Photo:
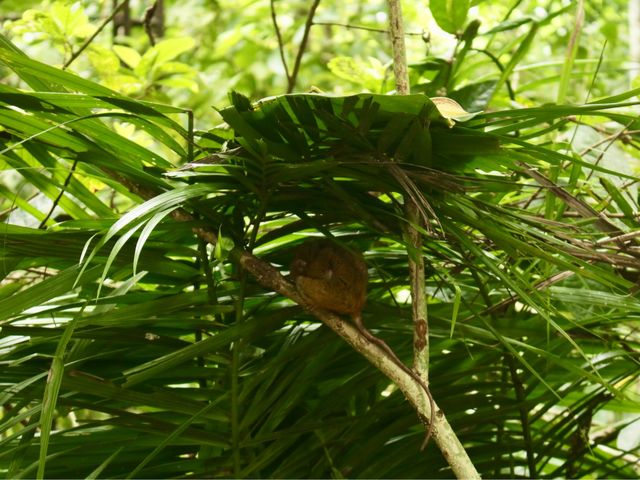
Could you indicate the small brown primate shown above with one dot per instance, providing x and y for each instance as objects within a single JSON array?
[
  {"x": 334, "y": 278},
  {"x": 330, "y": 276}
]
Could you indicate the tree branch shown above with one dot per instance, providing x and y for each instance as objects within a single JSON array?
[
  {"x": 303, "y": 45},
  {"x": 149, "y": 13},
  {"x": 65, "y": 185},
  {"x": 274, "y": 19},
  {"x": 445, "y": 437},
  {"x": 396, "y": 32},
  {"x": 269, "y": 277},
  {"x": 362, "y": 27},
  {"x": 82, "y": 48},
  {"x": 416, "y": 260}
]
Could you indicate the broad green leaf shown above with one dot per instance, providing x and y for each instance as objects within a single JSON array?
[
  {"x": 368, "y": 74},
  {"x": 162, "y": 52},
  {"x": 449, "y": 14},
  {"x": 64, "y": 81},
  {"x": 69, "y": 21},
  {"x": 128, "y": 55},
  {"x": 104, "y": 60},
  {"x": 169, "y": 49}
]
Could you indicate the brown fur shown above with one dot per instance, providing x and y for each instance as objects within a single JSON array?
[{"x": 334, "y": 278}]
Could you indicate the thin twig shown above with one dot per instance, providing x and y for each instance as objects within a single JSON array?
[
  {"x": 574, "y": 214},
  {"x": 619, "y": 239},
  {"x": 585, "y": 210},
  {"x": 95, "y": 34},
  {"x": 67, "y": 180},
  {"x": 303, "y": 45},
  {"x": 609, "y": 142},
  {"x": 280, "y": 42},
  {"x": 148, "y": 17},
  {"x": 368, "y": 29},
  {"x": 523, "y": 409},
  {"x": 15, "y": 207},
  {"x": 540, "y": 286}
]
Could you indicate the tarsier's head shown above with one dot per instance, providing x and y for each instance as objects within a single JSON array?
[{"x": 330, "y": 276}]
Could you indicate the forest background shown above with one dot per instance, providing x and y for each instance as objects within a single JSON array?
[{"x": 142, "y": 332}]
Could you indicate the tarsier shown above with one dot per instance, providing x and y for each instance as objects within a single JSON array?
[{"x": 333, "y": 278}]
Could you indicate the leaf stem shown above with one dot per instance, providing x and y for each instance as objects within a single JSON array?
[{"x": 82, "y": 48}]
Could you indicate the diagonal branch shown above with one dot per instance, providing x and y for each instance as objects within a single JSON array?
[
  {"x": 303, "y": 45},
  {"x": 65, "y": 185},
  {"x": 82, "y": 48},
  {"x": 269, "y": 277},
  {"x": 602, "y": 223},
  {"x": 293, "y": 75},
  {"x": 274, "y": 19}
]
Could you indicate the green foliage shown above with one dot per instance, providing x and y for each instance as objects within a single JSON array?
[
  {"x": 157, "y": 66},
  {"x": 62, "y": 25},
  {"x": 369, "y": 75},
  {"x": 449, "y": 14},
  {"x": 131, "y": 348}
]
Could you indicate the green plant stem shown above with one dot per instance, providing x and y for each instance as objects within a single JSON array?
[
  {"x": 348, "y": 26},
  {"x": 82, "y": 48},
  {"x": 411, "y": 211},
  {"x": 303, "y": 45},
  {"x": 235, "y": 390},
  {"x": 65, "y": 185},
  {"x": 447, "y": 441},
  {"x": 572, "y": 48},
  {"x": 521, "y": 397}
]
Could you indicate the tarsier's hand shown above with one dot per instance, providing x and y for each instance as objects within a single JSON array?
[{"x": 330, "y": 276}]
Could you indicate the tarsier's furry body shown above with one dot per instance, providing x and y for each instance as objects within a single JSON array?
[{"x": 332, "y": 277}]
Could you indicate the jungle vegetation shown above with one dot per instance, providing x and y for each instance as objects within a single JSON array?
[{"x": 161, "y": 161}]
